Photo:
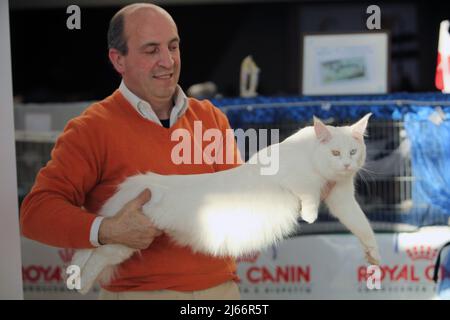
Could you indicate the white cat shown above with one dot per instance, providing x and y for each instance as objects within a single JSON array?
[{"x": 240, "y": 211}]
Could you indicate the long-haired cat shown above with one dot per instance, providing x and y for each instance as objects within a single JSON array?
[{"x": 239, "y": 211}]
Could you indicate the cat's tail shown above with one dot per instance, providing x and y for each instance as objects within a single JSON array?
[{"x": 98, "y": 263}]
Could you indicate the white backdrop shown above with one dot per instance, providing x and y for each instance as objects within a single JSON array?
[
  {"x": 332, "y": 267},
  {"x": 10, "y": 265}
]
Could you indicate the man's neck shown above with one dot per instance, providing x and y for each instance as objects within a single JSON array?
[{"x": 162, "y": 108}]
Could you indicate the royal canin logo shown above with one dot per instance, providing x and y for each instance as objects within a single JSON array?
[
  {"x": 409, "y": 272},
  {"x": 42, "y": 274},
  {"x": 422, "y": 253},
  {"x": 48, "y": 274},
  {"x": 257, "y": 274},
  {"x": 278, "y": 274}
]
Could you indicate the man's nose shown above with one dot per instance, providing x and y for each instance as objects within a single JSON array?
[{"x": 166, "y": 59}]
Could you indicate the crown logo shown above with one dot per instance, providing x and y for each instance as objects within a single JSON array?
[
  {"x": 422, "y": 253},
  {"x": 66, "y": 254},
  {"x": 249, "y": 258}
]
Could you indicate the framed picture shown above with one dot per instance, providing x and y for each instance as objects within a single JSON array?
[{"x": 345, "y": 63}]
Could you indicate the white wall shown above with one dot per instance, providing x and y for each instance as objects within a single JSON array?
[{"x": 10, "y": 258}]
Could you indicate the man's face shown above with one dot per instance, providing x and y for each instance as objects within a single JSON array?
[{"x": 151, "y": 68}]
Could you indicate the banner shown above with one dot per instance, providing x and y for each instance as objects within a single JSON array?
[
  {"x": 333, "y": 267},
  {"x": 304, "y": 267}
]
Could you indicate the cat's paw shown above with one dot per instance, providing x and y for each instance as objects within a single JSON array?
[
  {"x": 373, "y": 256},
  {"x": 309, "y": 216}
]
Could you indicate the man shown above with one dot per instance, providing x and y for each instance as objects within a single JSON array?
[{"x": 125, "y": 134}]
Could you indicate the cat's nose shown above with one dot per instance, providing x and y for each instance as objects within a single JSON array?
[{"x": 347, "y": 166}]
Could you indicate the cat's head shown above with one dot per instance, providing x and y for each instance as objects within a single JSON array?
[{"x": 340, "y": 151}]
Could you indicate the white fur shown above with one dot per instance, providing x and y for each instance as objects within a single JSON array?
[{"x": 239, "y": 211}]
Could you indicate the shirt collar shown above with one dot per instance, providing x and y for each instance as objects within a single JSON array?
[{"x": 145, "y": 109}]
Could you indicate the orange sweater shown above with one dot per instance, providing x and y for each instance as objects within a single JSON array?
[{"x": 97, "y": 151}]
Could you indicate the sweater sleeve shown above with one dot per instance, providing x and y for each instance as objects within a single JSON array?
[{"x": 52, "y": 212}]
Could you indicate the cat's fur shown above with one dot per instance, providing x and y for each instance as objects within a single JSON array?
[{"x": 239, "y": 211}]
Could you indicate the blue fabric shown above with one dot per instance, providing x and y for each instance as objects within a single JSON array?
[
  {"x": 430, "y": 156},
  {"x": 430, "y": 142}
]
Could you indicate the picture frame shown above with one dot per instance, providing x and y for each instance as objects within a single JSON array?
[{"x": 354, "y": 63}]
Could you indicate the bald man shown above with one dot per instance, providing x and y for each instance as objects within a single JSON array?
[{"x": 125, "y": 134}]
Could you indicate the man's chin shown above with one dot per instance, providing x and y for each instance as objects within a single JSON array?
[{"x": 165, "y": 91}]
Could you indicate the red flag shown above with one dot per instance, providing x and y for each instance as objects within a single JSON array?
[{"x": 442, "y": 79}]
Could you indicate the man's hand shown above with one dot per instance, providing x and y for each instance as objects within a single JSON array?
[{"x": 129, "y": 226}]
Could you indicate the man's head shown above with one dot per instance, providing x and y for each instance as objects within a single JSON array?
[{"x": 143, "y": 46}]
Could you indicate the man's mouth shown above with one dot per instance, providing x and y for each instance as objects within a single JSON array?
[{"x": 163, "y": 76}]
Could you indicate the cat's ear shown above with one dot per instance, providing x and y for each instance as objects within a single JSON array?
[
  {"x": 322, "y": 133},
  {"x": 359, "y": 128}
]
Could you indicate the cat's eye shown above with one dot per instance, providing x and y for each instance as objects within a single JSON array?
[
  {"x": 352, "y": 152},
  {"x": 336, "y": 153}
]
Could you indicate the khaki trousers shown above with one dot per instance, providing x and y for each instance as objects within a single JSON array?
[{"x": 225, "y": 291}]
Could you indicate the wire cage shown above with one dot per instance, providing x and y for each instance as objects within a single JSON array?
[{"x": 384, "y": 186}]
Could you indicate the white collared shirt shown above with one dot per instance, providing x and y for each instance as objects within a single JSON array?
[{"x": 145, "y": 110}]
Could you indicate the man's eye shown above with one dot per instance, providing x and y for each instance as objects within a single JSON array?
[
  {"x": 336, "y": 153},
  {"x": 353, "y": 152},
  {"x": 173, "y": 48},
  {"x": 151, "y": 50}
]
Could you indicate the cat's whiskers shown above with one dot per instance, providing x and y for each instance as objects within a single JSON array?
[{"x": 365, "y": 174}]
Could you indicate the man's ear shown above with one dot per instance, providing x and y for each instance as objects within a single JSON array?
[
  {"x": 359, "y": 128},
  {"x": 322, "y": 133},
  {"x": 117, "y": 60}
]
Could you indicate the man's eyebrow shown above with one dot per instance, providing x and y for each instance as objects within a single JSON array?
[{"x": 155, "y": 44}]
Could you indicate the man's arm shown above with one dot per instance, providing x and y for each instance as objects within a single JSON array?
[{"x": 52, "y": 212}]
